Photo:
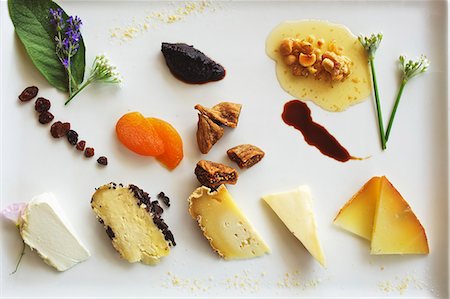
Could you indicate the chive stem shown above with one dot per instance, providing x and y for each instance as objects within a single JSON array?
[
  {"x": 377, "y": 101},
  {"x": 394, "y": 110},
  {"x": 20, "y": 258}
]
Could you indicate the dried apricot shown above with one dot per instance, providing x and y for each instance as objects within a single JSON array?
[
  {"x": 173, "y": 144},
  {"x": 138, "y": 135}
]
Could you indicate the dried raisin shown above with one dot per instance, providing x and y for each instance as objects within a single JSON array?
[
  {"x": 89, "y": 152},
  {"x": 59, "y": 129},
  {"x": 28, "y": 93},
  {"x": 72, "y": 137},
  {"x": 45, "y": 117},
  {"x": 80, "y": 145},
  {"x": 42, "y": 105},
  {"x": 102, "y": 160}
]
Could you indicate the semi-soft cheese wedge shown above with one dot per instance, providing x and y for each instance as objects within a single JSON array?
[
  {"x": 45, "y": 229},
  {"x": 396, "y": 229},
  {"x": 294, "y": 208},
  {"x": 379, "y": 213},
  {"x": 132, "y": 222},
  {"x": 224, "y": 225},
  {"x": 357, "y": 214}
]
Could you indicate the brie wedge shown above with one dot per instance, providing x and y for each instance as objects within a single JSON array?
[{"x": 45, "y": 229}]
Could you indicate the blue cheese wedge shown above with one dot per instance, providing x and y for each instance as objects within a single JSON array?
[
  {"x": 45, "y": 229},
  {"x": 294, "y": 208},
  {"x": 228, "y": 231},
  {"x": 133, "y": 223}
]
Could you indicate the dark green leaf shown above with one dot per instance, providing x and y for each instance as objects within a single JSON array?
[{"x": 32, "y": 24}]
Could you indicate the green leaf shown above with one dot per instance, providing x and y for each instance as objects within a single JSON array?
[{"x": 32, "y": 24}]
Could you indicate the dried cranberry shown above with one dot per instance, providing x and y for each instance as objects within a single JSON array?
[
  {"x": 45, "y": 117},
  {"x": 28, "y": 93},
  {"x": 89, "y": 152},
  {"x": 80, "y": 145},
  {"x": 42, "y": 105},
  {"x": 102, "y": 160},
  {"x": 59, "y": 129},
  {"x": 72, "y": 137}
]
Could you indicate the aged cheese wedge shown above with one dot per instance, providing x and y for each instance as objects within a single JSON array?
[
  {"x": 357, "y": 214},
  {"x": 379, "y": 213},
  {"x": 294, "y": 208},
  {"x": 132, "y": 222},
  {"x": 228, "y": 231},
  {"x": 396, "y": 229},
  {"x": 45, "y": 229}
]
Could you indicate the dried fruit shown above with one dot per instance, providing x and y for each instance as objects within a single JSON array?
[
  {"x": 173, "y": 144},
  {"x": 224, "y": 113},
  {"x": 102, "y": 160},
  {"x": 28, "y": 93},
  {"x": 42, "y": 105},
  {"x": 45, "y": 117},
  {"x": 72, "y": 137},
  {"x": 190, "y": 65},
  {"x": 212, "y": 175},
  {"x": 89, "y": 152},
  {"x": 138, "y": 135},
  {"x": 80, "y": 145},
  {"x": 245, "y": 155},
  {"x": 208, "y": 133},
  {"x": 59, "y": 129},
  {"x": 165, "y": 199}
]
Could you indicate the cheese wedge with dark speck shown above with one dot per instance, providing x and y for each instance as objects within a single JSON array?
[{"x": 228, "y": 231}]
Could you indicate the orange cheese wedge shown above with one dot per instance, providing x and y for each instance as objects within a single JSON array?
[{"x": 379, "y": 213}]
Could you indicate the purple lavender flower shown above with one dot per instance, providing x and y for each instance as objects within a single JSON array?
[
  {"x": 67, "y": 37},
  {"x": 56, "y": 18}
]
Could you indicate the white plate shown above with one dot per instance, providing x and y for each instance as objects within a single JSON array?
[{"x": 234, "y": 34}]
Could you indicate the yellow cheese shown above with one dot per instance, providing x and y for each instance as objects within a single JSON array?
[
  {"x": 129, "y": 224},
  {"x": 294, "y": 208},
  {"x": 228, "y": 231},
  {"x": 396, "y": 229},
  {"x": 357, "y": 214},
  {"x": 379, "y": 213}
]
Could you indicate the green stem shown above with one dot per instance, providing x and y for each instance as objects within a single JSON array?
[
  {"x": 20, "y": 259},
  {"x": 394, "y": 110},
  {"x": 377, "y": 100},
  {"x": 85, "y": 84}
]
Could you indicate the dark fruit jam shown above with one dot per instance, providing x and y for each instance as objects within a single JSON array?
[
  {"x": 190, "y": 65},
  {"x": 298, "y": 115}
]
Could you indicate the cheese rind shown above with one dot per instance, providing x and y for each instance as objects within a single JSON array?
[
  {"x": 358, "y": 213},
  {"x": 396, "y": 229},
  {"x": 129, "y": 224},
  {"x": 228, "y": 231},
  {"x": 45, "y": 229},
  {"x": 294, "y": 208}
]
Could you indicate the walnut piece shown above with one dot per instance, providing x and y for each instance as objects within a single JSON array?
[
  {"x": 208, "y": 133},
  {"x": 225, "y": 113},
  {"x": 245, "y": 155},
  {"x": 212, "y": 175}
]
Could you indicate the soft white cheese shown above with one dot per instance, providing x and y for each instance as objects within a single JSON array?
[
  {"x": 295, "y": 210},
  {"x": 45, "y": 229}
]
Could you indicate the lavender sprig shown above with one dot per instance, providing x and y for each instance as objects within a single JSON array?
[
  {"x": 409, "y": 70},
  {"x": 371, "y": 44},
  {"x": 102, "y": 71},
  {"x": 67, "y": 40}
]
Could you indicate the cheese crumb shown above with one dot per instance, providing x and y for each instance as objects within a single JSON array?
[{"x": 135, "y": 28}]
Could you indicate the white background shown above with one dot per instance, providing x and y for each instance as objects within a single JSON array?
[{"x": 233, "y": 33}]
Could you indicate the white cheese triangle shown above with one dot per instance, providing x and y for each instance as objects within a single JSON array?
[
  {"x": 45, "y": 229},
  {"x": 294, "y": 208}
]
